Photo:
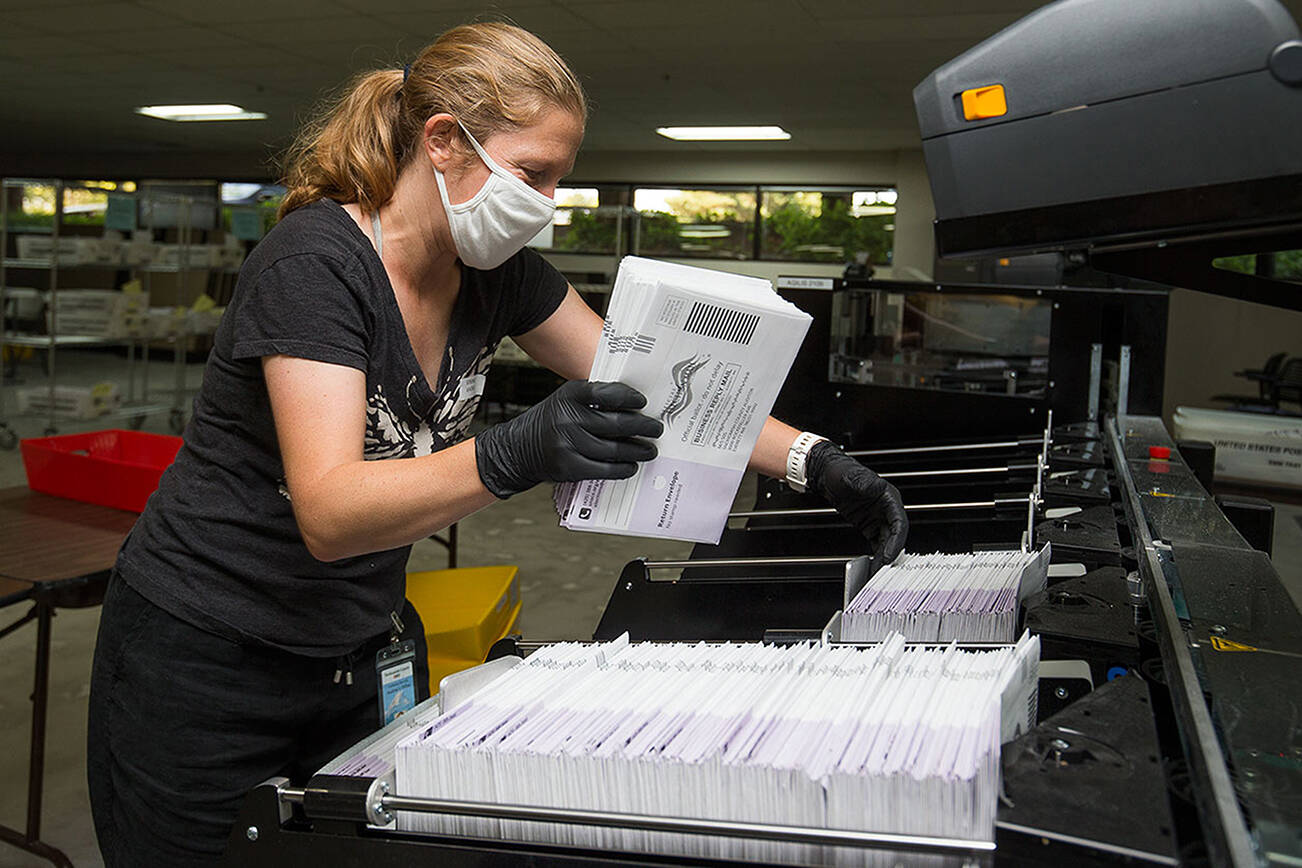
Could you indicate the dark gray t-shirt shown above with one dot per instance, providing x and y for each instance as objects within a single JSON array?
[{"x": 217, "y": 544}]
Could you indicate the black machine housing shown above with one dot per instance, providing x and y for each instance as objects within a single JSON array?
[{"x": 1155, "y": 134}]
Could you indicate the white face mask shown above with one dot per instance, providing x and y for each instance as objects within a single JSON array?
[{"x": 499, "y": 220}]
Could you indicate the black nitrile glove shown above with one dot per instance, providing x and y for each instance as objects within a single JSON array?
[
  {"x": 869, "y": 502},
  {"x": 582, "y": 430}
]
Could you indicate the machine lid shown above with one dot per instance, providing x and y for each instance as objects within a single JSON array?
[{"x": 1075, "y": 53}]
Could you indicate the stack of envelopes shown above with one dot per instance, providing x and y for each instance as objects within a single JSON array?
[
  {"x": 890, "y": 738},
  {"x": 710, "y": 350},
  {"x": 944, "y": 597}
]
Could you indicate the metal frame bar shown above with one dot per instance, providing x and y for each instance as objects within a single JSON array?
[
  {"x": 1224, "y": 828},
  {"x": 9, "y": 628},
  {"x": 955, "y": 471},
  {"x": 749, "y": 562},
  {"x": 1096, "y": 381},
  {"x": 909, "y": 507},
  {"x": 30, "y": 840},
  {"x": 954, "y": 447},
  {"x": 1123, "y": 381},
  {"x": 684, "y": 825}
]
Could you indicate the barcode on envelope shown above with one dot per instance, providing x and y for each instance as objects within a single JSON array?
[
  {"x": 638, "y": 343},
  {"x": 724, "y": 323}
]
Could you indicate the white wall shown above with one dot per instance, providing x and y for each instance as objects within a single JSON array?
[{"x": 1210, "y": 337}]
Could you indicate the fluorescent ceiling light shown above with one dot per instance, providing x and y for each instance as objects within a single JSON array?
[
  {"x": 724, "y": 134},
  {"x": 214, "y": 112}
]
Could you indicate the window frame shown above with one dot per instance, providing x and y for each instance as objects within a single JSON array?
[{"x": 755, "y": 253}]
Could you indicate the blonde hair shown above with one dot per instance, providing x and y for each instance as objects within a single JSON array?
[{"x": 491, "y": 76}]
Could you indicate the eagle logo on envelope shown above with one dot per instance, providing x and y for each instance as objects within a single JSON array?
[{"x": 681, "y": 397}]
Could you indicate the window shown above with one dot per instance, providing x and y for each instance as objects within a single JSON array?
[
  {"x": 84, "y": 203},
  {"x": 1280, "y": 265},
  {"x": 705, "y": 222},
  {"x": 581, "y": 224},
  {"x": 828, "y": 225},
  {"x": 969, "y": 342},
  {"x": 249, "y": 209},
  {"x": 589, "y": 220}
]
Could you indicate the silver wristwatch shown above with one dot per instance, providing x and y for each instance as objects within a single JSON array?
[{"x": 797, "y": 457}]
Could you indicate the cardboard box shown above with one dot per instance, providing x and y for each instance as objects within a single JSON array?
[
  {"x": 97, "y": 312},
  {"x": 71, "y": 402},
  {"x": 1258, "y": 448}
]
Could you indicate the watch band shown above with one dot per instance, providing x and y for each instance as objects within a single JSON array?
[{"x": 797, "y": 458}]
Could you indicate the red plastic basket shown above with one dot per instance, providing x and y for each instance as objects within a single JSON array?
[{"x": 111, "y": 468}]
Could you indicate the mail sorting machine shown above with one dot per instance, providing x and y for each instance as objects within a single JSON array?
[
  {"x": 1127, "y": 763},
  {"x": 1147, "y": 138}
]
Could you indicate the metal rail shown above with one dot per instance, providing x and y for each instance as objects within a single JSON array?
[
  {"x": 684, "y": 825},
  {"x": 750, "y": 562},
  {"x": 954, "y": 447},
  {"x": 1228, "y": 839},
  {"x": 957, "y": 471},
  {"x": 998, "y": 503}
]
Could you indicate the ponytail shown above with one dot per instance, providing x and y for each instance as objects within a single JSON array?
[
  {"x": 351, "y": 153},
  {"x": 491, "y": 76}
]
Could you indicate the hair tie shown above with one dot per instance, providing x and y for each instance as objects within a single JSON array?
[{"x": 406, "y": 71}]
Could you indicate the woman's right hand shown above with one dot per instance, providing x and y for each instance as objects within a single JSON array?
[{"x": 583, "y": 430}]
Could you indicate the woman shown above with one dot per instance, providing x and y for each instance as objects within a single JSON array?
[{"x": 240, "y": 629}]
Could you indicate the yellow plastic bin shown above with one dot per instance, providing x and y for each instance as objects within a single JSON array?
[{"x": 464, "y": 611}]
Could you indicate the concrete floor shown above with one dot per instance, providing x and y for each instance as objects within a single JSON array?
[{"x": 565, "y": 579}]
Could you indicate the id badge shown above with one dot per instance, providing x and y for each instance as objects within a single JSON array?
[{"x": 395, "y": 674}]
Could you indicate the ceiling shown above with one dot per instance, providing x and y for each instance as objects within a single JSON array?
[{"x": 836, "y": 73}]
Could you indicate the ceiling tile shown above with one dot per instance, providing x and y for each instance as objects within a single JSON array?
[
  {"x": 244, "y": 12},
  {"x": 910, "y": 29},
  {"x": 833, "y": 10},
  {"x": 290, "y": 32},
  {"x": 463, "y": 9},
  {"x": 723, "y": 17},
  {"x": 542, "y": 20},
  {"x": 178, "y": 38},
  {"x": 36, "y": 49},
  {"x": 89, "y": 17}
]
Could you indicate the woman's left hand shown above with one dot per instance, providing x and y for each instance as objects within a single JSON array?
[{"x": 869, "y": 502}]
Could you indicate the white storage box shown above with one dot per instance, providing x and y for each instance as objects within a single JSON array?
[
  {"x": 98, "y": 312},
  {"x": 1250, "y": 447},
  {"x": 71, "y": 402},
  {"x": 137, "y": 252},
  {"x": 192, "y": 256},
  {"x": 163, "y": 322},
  {"x": 42, "y": 246},
  {"x": 98, "y": 251},
  {"x": 203, "y": 322},
  {"x": 23, "y": 303}
]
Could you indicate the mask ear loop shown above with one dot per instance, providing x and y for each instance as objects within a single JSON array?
[{"x": 496, "y": 169}]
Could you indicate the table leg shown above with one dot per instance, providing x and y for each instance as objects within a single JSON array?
[
  {"x": 40, "y": 705},
  {"x": 31, "y": 842}
]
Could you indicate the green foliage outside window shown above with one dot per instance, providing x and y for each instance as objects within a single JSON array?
[
  {"x": 1287, "y": 264},
  {"x": 82, "y": 206},
  {"x": 824, "y": 228},
  {"x": 587, "y": 232},
  {"x": 830, "y": 225},
  {"x": 266, "y": 209}
]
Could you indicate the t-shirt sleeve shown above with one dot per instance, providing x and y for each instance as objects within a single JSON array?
[
  {"x": 306, "y": 306},
  {"x": 538, "y": 290}
]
